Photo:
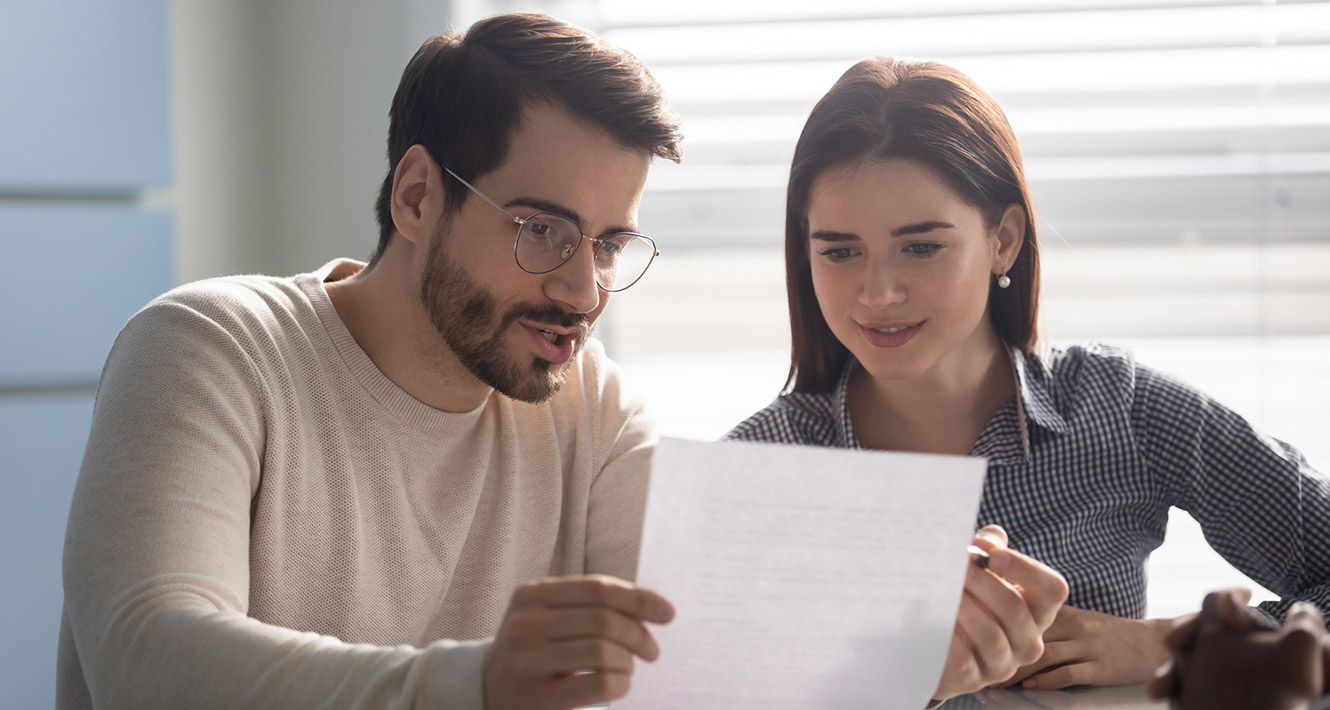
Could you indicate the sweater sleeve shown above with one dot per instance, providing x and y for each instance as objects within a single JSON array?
[
  {"x": 156, "y": 562},
  {"x": 1259, "y": 503},
  {"x": 625, "y": 437}
]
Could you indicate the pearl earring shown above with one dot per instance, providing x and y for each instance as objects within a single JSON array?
[{"x": 1003, "y": 281}]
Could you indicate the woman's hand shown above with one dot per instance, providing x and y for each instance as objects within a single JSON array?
[
  {"x": 1229, "y": 657},
  {"x": 1085, "y": 647},
  {"x": 1004, "y": 612}
]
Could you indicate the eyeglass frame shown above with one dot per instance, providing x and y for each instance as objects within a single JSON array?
[{"x": 595, "y": 241}]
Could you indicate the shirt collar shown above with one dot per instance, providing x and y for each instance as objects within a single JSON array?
[
  {"x": 1034, "y": 404},
  {"x": 1033, "y": 381}
]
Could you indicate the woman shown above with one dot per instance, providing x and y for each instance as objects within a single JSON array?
[{"x": 913, "y": 278}]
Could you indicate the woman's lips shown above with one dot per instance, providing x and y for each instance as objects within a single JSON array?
[{"x": 889, "y": 335}]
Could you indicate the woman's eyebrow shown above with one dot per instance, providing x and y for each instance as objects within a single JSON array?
[
  {"x": 920, "y": 228},
  {"x": 826, "y": 235}
]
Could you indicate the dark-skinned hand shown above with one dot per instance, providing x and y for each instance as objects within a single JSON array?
[{"x": 1230, "y": 657}]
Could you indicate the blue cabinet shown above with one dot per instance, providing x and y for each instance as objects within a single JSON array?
[
  {"x": 80, "y": 273},
  {"x": 42, "y": 437},
  {"x": 84, "y": 131},
  {"x": 84, "y": 86}
]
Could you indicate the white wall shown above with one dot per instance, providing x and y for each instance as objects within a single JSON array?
[{"x": 281, "y": 121}]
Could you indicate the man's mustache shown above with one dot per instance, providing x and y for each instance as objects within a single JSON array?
[{"x": 552, "y": 315}]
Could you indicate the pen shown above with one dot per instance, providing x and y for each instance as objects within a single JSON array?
[{"x": 978, "y": 556}]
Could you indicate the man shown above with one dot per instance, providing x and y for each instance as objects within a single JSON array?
[
  {"x": 1231, "y": 656},
  {"x": 415, "y": 482},
  {"x": 295, "y": 487}
]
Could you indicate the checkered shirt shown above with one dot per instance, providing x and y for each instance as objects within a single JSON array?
[{"x": 1084, "y": 465}]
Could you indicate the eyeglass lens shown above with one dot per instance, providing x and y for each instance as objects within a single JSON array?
[{"x": 546, "y": 241}]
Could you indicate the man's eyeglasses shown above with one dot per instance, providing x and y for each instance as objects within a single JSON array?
[{"x": 547, "y": 241}]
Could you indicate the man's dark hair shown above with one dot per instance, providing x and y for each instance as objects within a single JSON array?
[{"x": 461, "y": 97}]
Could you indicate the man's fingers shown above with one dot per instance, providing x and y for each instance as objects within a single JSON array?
[
  {"x": 597, "y": 590},
  {"x": 571, "y": 641},
  {"x": 1217, "y": 605},
  {"x": 1301, "y": 641},
  {"x": 1306, "y": 616},
  {"x": 1227, "y": 609},
  {"x": 1233, "y": 610},
  {"x": 583, "y": 655},
  {"x": 588, "y": 689},
  {"x": 1161, "y": 685},
  {"x": 1183, "y": 633},
  {"x": 572, "y": 623}
]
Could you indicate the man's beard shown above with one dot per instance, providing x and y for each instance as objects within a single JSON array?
[{"x": 466, "y": 315}]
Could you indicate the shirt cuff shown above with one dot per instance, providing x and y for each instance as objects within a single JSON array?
[{"x": 453, "y": 675}]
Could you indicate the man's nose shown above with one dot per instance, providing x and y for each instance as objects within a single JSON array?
[{"x": 573, "y": 285}]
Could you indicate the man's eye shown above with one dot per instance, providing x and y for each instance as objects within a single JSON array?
[{"x": 538, "y": 228}]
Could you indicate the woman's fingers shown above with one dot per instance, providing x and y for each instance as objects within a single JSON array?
[
  {"x": 1043, "y": 589},
  {"x": 1005, "y": 607}
]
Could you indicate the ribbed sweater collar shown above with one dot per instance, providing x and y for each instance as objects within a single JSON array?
[{"x": 382, "y": 389}]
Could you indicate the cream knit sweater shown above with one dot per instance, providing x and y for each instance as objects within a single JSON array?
[{"x": 263, "y": 519}]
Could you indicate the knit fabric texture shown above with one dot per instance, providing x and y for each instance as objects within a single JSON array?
[{"x": 264, "y": 519}]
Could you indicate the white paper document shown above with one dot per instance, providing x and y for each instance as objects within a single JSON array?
[{"x": 802, "y": 577}]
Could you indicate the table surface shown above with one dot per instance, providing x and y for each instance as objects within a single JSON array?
[{"x": 1126, "y": 697}]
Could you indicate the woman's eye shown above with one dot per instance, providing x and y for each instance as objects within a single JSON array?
[
  {"x": 923, "y": 248},
  {"x": 837, "y": 253}
]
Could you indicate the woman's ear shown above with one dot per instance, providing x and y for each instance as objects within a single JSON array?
[
  {"x": 1008, "y": 238},
  {"x": 416, "y": 194}
]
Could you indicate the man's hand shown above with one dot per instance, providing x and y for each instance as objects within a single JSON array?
[
  {"x": 1085, "y": 647},
  {"x": 1228, "y": 657},
  {"x": 1004, "y": 611},
  {"x": 570, "y": 641}
]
